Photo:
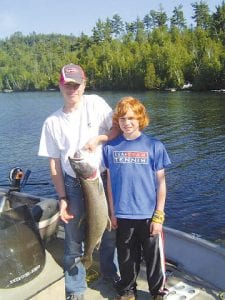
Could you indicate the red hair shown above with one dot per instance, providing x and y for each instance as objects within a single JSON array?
[{"x": 136, "y": 106}]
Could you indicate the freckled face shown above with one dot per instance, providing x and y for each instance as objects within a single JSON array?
[{"x": 129, "y": 125}]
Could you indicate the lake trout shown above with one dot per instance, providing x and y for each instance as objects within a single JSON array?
[{"x": 97, "y": 219}]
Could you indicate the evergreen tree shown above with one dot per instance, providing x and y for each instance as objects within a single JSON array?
[
  {"x": 201, "y": 14},
  {"x": 218, "y": 22},
  {"x": 177, "y": 19}
]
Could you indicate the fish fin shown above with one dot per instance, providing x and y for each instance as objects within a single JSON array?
[
  {"x": 98, "y": 245},
  {"x": 87, "y": 261},
  {"x": 109, "y": 225}
]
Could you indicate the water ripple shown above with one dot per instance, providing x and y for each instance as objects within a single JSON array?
[{"x": 191, "y": 125}]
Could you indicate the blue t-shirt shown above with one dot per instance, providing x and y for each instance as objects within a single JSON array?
[{"x": 133, "y": 165}]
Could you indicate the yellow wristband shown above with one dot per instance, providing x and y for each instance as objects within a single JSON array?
[
  {"x": 158, "y": 217},
  {"x": 159, "y": 212}
]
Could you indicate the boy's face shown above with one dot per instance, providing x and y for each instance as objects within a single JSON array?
[
  {"x": 129, "y": 125},
  {"x": 72, "y": 92}
]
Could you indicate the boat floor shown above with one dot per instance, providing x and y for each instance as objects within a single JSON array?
[{"x": 49, "y": 284}]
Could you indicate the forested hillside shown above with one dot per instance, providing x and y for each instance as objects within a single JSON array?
[{"x": 155, "y": 52}]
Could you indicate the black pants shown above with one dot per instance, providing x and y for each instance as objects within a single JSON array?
[{"x": 133, "y": 239}]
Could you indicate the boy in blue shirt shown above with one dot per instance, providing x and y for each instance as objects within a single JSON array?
[{"x": 135, "y": 165}]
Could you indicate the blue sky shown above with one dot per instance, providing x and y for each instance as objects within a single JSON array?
[{"x": 72, "y": 16}]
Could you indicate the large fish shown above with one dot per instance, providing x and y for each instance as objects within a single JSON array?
[{"x": 97, "y": 219}]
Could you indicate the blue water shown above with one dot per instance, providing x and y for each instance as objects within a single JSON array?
[{"x": 191, "y": 125}]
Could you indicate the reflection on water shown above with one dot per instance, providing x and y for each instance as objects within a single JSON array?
[{"x": 191, "y": 125}]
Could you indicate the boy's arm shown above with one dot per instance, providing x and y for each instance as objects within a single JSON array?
[
  {"x": 158, "y": 217},
  {"x": 58, "y": 181},
  {"x": 110, "y": 202},
  {"x": 112, "y": 134},
  {"x": 103, "y": 138},
  {"x": 161, "y": 190},
  {"x": 57, "y": 176}
]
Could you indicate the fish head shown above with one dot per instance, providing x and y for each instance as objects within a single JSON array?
[{"x": 83, "y": 165}]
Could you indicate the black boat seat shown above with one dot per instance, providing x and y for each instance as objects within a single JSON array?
[{"x": 45, "y": 209}]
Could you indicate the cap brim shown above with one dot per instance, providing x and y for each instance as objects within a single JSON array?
[{"x": 68, "y": 80}]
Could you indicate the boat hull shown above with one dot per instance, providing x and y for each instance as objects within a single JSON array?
[
  {"x": 196, "y": 256},
  {"x": 27, "y": 223},
  {"x": 22, "y": 254}
]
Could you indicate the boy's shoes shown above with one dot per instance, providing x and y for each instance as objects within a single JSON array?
[
  {"x": 158, "y": 297},
  {"x": 162, "y": 295},
  {"x": 129, "y": 295},
  {"x": 112, "y": 281},
  {"x": 125, "y": 297},
  {"x": 75, "y": 297}
]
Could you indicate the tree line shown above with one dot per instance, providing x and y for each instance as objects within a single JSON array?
[{"x": 156, "y": 52}]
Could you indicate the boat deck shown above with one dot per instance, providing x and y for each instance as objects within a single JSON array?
[{"x": 49, "y": 284}]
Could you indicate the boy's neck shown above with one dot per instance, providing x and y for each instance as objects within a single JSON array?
[
  {"x": 132, "y": 136},
  {"x": 70, "y": 107}
]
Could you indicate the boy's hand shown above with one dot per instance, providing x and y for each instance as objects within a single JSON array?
[
  {"x": 92, "y": 144},
  {"x": 63, "y": 212},
  {"x": 155, "y": 228},
  {"x": 113, "y": 222}
]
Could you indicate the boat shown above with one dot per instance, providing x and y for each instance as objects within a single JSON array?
[
  {"x": 187, "y": 86},
  {"x": 196, "y": 256},
  {"x": 43, "y": 211},
  {"x": 27, "y": 223},
  {"x": 195, "y": 267},
  {"x": 171, "y": 89}
]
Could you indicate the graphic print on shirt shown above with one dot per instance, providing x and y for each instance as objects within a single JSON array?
[{"x": 130, "y": 157}]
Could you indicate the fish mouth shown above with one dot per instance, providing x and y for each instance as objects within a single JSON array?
[
  {"x": 79, "y": 155},
  {"x": 78, "y": 159},
  {"x": 83, "y": 167},
  {"x": 91, "y": 176}
]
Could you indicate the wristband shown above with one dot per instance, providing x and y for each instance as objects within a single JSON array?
[
  {"x": 62, "y": 198},
  {"x": 158, "y": 217}
]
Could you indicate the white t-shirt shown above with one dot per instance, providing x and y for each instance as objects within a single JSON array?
[{"x": 64, "y": 134}]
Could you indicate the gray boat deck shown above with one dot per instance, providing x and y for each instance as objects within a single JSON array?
[{"x": 49, "y": 284}]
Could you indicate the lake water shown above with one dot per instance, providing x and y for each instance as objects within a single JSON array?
[{"x": 191, "y": 125}]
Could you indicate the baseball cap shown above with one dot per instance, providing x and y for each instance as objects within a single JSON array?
[{"x": 72, "y": 73}]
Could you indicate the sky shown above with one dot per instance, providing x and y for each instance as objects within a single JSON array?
[{"x": 75, "y": 17}]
